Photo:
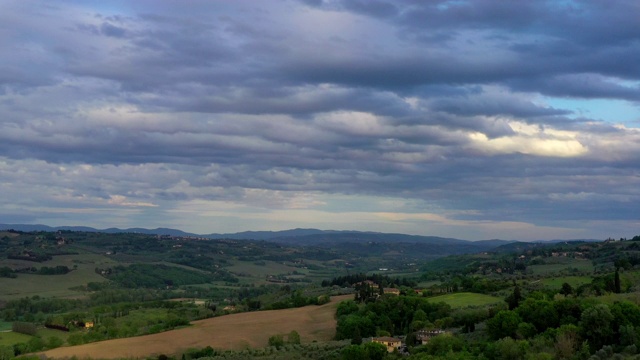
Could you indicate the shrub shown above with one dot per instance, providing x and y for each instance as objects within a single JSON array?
[
  {"x": 24, "y": 328},
  {"x": 293, "y": 337},
  {"x": 277, "y": 341}
]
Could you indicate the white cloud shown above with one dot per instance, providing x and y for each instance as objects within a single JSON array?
[
  {"x": 531, "y": 140},
  {"x": 122, "y": 201}
]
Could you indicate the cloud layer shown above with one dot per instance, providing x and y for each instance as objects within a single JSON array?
[{"x": 476, "y": 119}]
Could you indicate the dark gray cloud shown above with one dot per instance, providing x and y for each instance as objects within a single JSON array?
[
  {"x": 495, "y": 104},
  {"x": 112, "y": 30},
  {"x": 449, "y": 115},
  {"x": 585, "y": 86}
]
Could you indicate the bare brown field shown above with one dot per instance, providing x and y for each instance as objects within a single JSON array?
[{"x": 236, "y": 331}]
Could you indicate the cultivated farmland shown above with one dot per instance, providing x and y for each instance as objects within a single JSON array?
[
  {"x": 237, "y": 331},
  {"x": 459, "y": 300}
]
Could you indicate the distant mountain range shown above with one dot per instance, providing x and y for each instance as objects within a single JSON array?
[
  {"x": 293, "y": 236},
  {"x": 246, "y": 235},
  {"x": 39, "y": 227}
]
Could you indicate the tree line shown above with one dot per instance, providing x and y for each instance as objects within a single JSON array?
[{"x": 379, "y": 279}]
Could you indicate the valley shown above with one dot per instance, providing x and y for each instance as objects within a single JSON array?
[{"x": 131, "y": 295}]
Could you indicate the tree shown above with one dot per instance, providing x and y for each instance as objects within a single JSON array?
[
  {"x": 24, "y": 328},
  {"x": 252, "y": 304},
  {"x": 509, "y": 349},
  {"x": 442, "y": 345},
  {"x": 352, "y": 325},
  {"x": 375, "y": 351},
  {"x": 354, "y": 352},
  {"x": 568, "y": 310},
  {"x": 622, "y": 263},
  {"x": 514, "y": 299},
  {"x": 277, "y": 341},
  {"x": 625, "y": 313},
  {"x": 357, "y": 338},
  {"x": 541, "y": 313},
  {"x": 566, "y": 289},
  {"x": 504, "y": 324},
  {"x": 628, "y": 335},
  {"x": 75, "y": 339},
  {"x": 346, "y": 308},
  {"x": 526, "y": 330},
  {"x": 54, "y": 342},
  {"x": 198, "y": 353},
  {"x": 6, "y": 352},
  {"x": 419, "y": 320},
  {"x": 293, "y": 337},
  {"x": 411, "y": 339},
  {"x": 35, "y": 344},
  {"x": 468, "y": 318},
  {"x": 566, "y": 342},
  {"x": 20, "y": 348},
  {"x": 323, "y": 299},
  {"x": 596, "y": 325}
]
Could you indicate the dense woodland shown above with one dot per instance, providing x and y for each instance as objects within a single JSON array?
[{"x": 574, "y": 300}]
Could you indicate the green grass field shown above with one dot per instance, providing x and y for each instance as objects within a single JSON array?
[
  {"x": 633, "y": 276},
  {"x": 4, "y": 326},
  {"x": 45, "y": 334},
  {"x": 460, "y": 300},
  {"x": 10, "y": 338},
  {"x": 574, "y": 281},
  {"x": 426, "y": 284},
  {"x": 80, "y": 259},
  {"x": 398, "y": 273},
  {"x": 612, "y": 298},
  {"x": 259, "y": 271},
  {"x": 255, "y": 272},
  {"x": 562, "y": 264},
  {"x": 53, "y": 285}
]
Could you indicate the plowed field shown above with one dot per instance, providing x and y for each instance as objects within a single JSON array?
[{"x": 235, "y": 331}]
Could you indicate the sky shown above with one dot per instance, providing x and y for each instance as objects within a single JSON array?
[{"x": 469, "y": 119}]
